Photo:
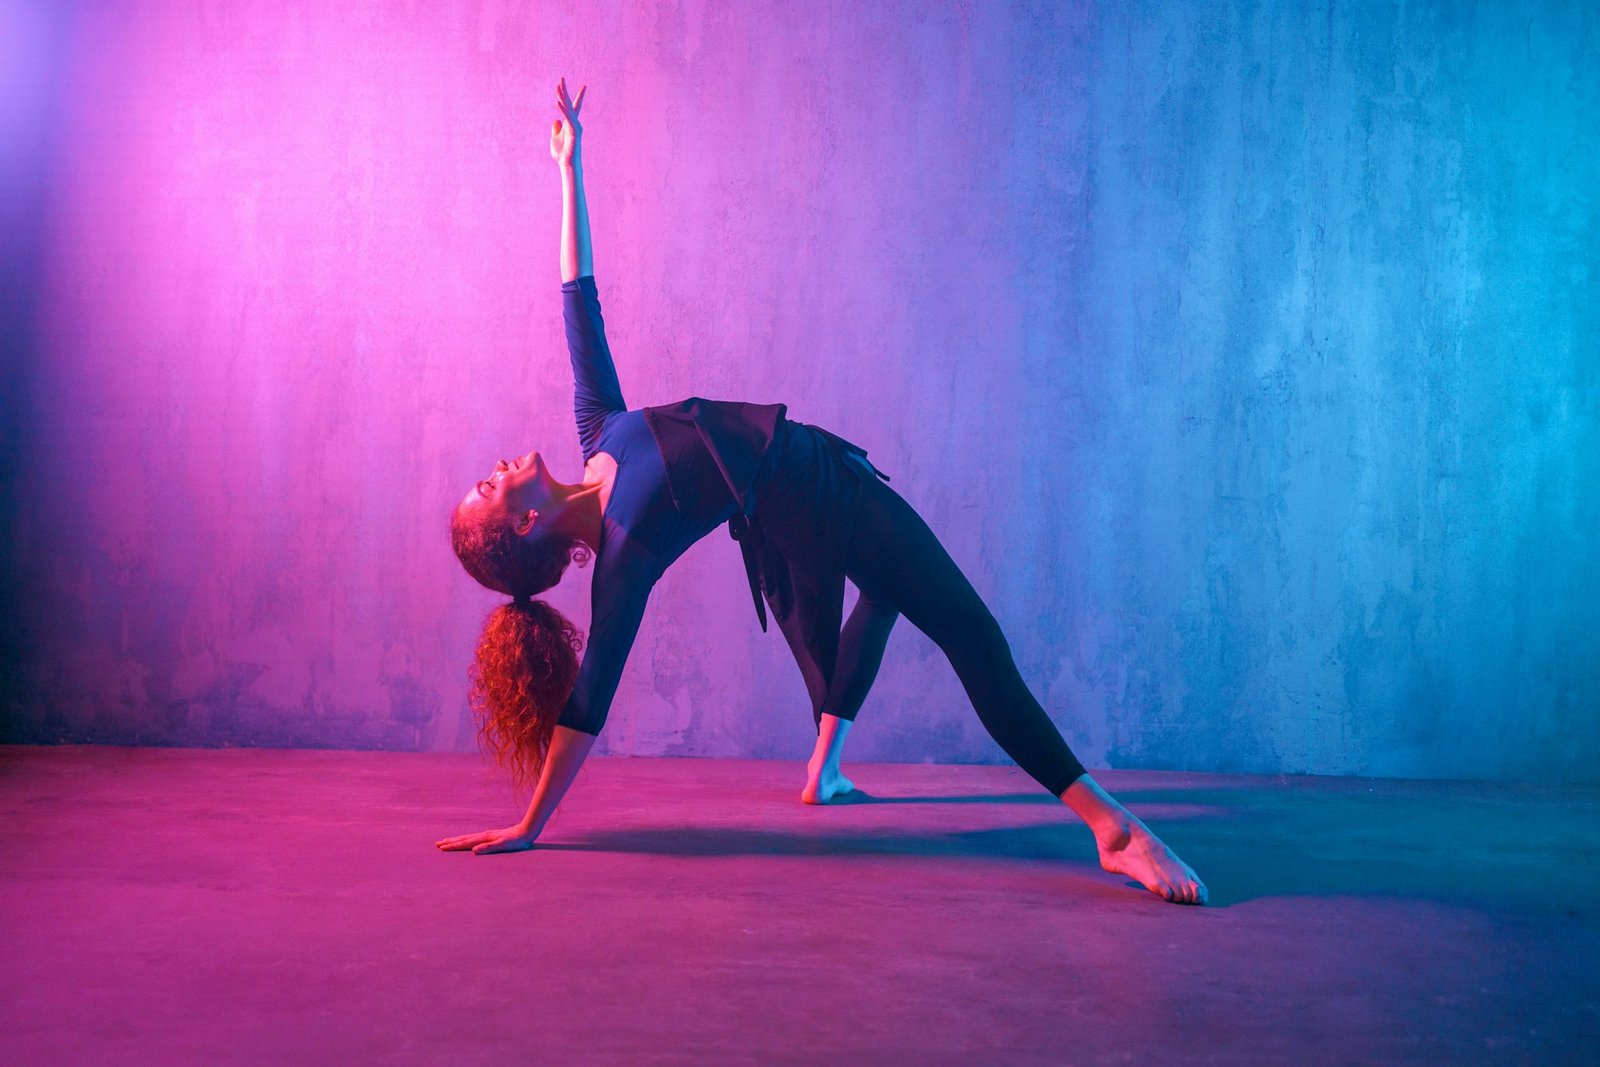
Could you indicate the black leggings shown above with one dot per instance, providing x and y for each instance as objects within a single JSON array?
[{"x": 901, "y": 568}]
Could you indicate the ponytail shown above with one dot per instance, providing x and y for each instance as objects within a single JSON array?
[{"x": 524, "y": 670}]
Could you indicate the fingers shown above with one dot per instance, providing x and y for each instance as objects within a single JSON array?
[
  {"x": 464, "y": 841},
  {"x": 502, "y": 844},
  {"x": 564, "y": 101},
  {"x": 485, "y": 841}
]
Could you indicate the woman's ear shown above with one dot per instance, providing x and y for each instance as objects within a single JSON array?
[{"x": 525, "y": 527}]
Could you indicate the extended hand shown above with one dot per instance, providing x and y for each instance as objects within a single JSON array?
[
  {"x": 511, "y": 839},
  {"x": 565, "y": 131}
]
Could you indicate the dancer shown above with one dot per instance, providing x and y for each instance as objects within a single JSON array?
[{"x": 808, "y": 509}]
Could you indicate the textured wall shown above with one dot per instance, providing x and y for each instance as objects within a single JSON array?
[{"x": 1245, "y": 356}]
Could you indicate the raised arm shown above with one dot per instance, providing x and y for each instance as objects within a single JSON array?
[
  {"x": 566, "y": 134},
  {"x": 596, "y": 391}
]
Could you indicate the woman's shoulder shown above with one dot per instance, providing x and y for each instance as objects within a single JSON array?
[{"x": 613, "y": 424}]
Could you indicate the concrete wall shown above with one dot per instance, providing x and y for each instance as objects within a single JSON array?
[{"x": 1244, "y": 355}]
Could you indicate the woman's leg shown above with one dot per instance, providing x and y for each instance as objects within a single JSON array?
[
  {"x": 824, "y": 779},
  {"x": 861, "y": 644},
  {"x": 896, "y": 558}
]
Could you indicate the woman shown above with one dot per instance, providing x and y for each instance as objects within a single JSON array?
[{"x": 808, "y": 510}]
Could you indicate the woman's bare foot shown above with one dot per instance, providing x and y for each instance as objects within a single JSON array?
[
  {"x": 1128, "y": 847},
  {"x": 823, "y": 783},
  {"x": 823, "y": 780},
  {"x": 1136, "y": 852}
]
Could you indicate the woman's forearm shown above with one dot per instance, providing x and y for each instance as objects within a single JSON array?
[
  {"x": 568, "y": 749},
  {"x": 577, "y": 255}
]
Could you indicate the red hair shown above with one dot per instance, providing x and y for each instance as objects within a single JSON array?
[
  {"x": 527, "y": 657},
  {"x": 521, "y": 677}
]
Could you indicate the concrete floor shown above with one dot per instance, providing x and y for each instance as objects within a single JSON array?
[{"x": 262, "y": 906}]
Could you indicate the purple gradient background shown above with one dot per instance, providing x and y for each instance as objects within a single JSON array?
[{"x": 1244, "y": 358}]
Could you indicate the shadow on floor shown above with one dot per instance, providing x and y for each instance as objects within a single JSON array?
[
  {"x": 861, "y": 796},
  {"x": 1540, "y": 854},
  {"x": 1062, "y": 842}
]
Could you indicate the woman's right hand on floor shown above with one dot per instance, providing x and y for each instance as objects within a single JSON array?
[
  {"x": 566, "y": 131},
  {"x": 511, "y": 839}
]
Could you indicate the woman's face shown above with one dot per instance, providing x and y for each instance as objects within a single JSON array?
[{"x": 516, "y": 488}]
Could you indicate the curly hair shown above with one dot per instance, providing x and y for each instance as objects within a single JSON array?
[
  {"x": 526, "y": 663},
  {"x": 527, "y": 656}
]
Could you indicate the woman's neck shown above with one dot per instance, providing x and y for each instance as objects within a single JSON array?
[{"x": 588, "y": 499}]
